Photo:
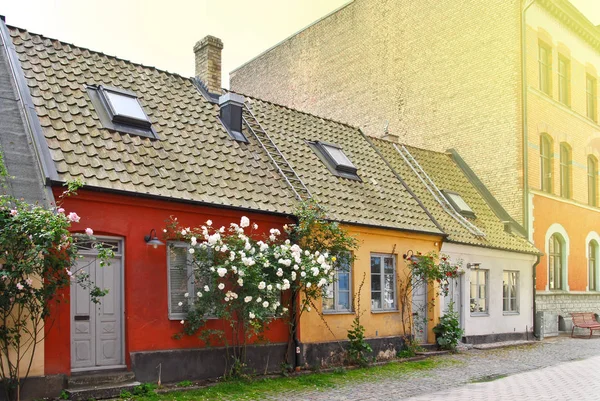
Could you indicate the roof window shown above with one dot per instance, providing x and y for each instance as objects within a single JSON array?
[
  {"x": 459, "y": 204},
  {"x": 335, "y": 159},
  {"x": 120, "y": 110}
]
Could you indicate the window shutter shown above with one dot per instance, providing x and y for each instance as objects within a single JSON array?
[{"x": 178, "y": 280}]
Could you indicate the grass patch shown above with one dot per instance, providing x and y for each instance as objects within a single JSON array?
[{"x": 259, "y": 388}]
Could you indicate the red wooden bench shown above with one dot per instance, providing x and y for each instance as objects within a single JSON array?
[{"x": 585, "y": 320}]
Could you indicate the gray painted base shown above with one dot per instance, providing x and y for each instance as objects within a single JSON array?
[
  {"x": 40, "y": 387},
  {"x": 498, "y": 337},
  {"x": 334, "y": 353},
  {"x": 202, "y": 363}
]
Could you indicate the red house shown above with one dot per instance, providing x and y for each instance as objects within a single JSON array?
[{"x": 148, "y": 145}]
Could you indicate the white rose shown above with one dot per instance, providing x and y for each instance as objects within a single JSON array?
[
  {"x": 199, "y": 294},
  {"x": 248, "y": 299},
  {"x": 209, "y": 223},
  {"x": 186, "y": 295},
  {"x": 180, "y": 304},
  {"x": 261, "y": 285},
  {"x": 221, "y": 286},
  {"x": 265, "y": 304},
  {"x": 193, "y": 241},
  {"x": 244, "y": 222},
  {"x": 269, "y": 287},
  {"x": 255, "y": 226},
  {"x": 182, "y": 322},
  {"x": 303, "y": 274},
  {"x": 258, "y": 299},
  {"x": 240, "y": 282},
  {"x": 252, "y": 316},
  {"x": 293, "y": 275},
  {"x": 221, "y": 271},
  {"x": 191, "y": 250},
  {"x": 206, "y": 288},
  {"x": 308, "y": 284}
]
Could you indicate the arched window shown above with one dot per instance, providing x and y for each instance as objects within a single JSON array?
[
  {"x": 592, "y": 171},
  {"x": 565, "y": 170},
  {"x": 546, "y": 163},
  {"x": 556, "y": 262},
  {"x": 593, "y": 264}
]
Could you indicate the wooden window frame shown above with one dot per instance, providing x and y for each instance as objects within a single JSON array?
[
  {"x": 507, "y": 293},
  {"x": 474, "y": 302},
  {"x": 545, "y": 68},
  {"x": 566, "y": 162},
  {"x": 556, "y": 262},
  {"x": 546, "y": 175},
  {"x": 592, "y": 174},
  {"x": 336, "y": 290},
  {"x": 564, "y": 80},
  {"x": 382, "y": 282}
]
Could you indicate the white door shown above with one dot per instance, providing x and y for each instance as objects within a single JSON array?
[
  {"x": 420, "y": 307},
  {"x": 96, "y": 329}
]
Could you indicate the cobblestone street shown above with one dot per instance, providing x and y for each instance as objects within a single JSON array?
[{"x": 556, "y": 369}]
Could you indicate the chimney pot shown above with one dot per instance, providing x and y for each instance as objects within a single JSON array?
[{"x": 208, "y": 62}]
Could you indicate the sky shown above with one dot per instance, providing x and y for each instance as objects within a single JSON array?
[{"x": 151, "y": 33}]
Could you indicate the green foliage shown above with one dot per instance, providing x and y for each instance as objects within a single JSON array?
[
  {"x": 38, "y": 256},
  {"x": 63, "y": 395},
  {"x": 448, "y": 332},
  {"x": 358, "y": 348},
  {"x": 144, "y": 388},
  {"x": 125, "y": 395},
  {"x": 184, "y": 383},
  {"x": 410, "y": 350}
]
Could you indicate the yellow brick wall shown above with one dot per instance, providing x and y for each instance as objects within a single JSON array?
[
  {"x": 563, "y": 123},
  {"x": 443, "y": 74}
]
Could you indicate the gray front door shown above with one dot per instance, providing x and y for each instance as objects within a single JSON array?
[
  {"x": 420, "y": 308},
  {"x": 96, "y": 329}
]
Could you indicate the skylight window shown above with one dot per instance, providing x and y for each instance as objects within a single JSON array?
[
  {"x": 459, "y": 204},
  {"x": 121, "y": 110},
  {"x": 335, "y": 159}
]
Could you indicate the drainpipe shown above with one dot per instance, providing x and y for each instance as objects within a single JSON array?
[
  {"x": 537, "y": 262},
  {"x": 524, "y": 117}
]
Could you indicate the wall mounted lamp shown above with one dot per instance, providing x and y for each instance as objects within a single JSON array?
[
  {"x": 474, "y": 266},
  {"x": 409, "y": 255},
  {"x": 152, "y": 240}
]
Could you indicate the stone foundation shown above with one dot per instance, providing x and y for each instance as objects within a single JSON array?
[{"x": 556, "y": 308}]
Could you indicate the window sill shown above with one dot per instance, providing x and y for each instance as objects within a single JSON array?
[
  {"x": 334, "y": 312},
  {"x": 376, "y": 312},
  {"x": 511, "y": 313},
  {"x": 480, "y": 314}
]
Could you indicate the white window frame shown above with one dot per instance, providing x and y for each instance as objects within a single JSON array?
[
  {"x": 486, "y": 273},
  {"x": 593, "y": 236},
  {"x": 516, "y": 296},
  {"x": 553, "y": 229},
  {"x": 336, "y": 290},
  {"x": 382, "y": 282},
  {"x": 190, "y": 279}
]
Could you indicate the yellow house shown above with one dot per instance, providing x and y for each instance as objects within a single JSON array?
[{"x": 335, "y": 165}]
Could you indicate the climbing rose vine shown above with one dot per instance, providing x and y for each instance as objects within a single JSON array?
[{"x": 239, "y": 277}]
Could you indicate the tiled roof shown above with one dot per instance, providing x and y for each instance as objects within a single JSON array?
[
  {"x": 377, "y": 200},
  {"x": 446, "y": 175},
  {"x": 195, "y": 159}
]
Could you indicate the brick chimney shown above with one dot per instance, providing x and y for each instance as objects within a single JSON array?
[{"x": 208, "y": 62}]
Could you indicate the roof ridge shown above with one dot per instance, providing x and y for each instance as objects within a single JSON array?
[
  {"x": 445, "y": 153},
  {"x": 99, "y": 52},
  {"x": 354, "y": 127}
]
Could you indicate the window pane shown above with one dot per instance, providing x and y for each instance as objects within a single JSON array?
[
  {"x": 388, "y": 266},
  {"x": 338, "y": 156},
  {"x": 375, "y": 300},
  {"x": 375, "y": 282},
  {"x": 343, "y": 281},
  {"x": 178, "y": 276},
  {"x": 328, "y": 301},
  {"x": 124, "y": 105},
  {"x": 460, "y": 203},
  {"x": 344, "y": 300},
  {"x": 375, "y": 264}
]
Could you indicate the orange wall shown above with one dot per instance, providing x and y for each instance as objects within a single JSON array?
[
  {"x": 147, "y": 326},
  {"x": 578, "y": 221},
  {"x": 378, "y": 324}
]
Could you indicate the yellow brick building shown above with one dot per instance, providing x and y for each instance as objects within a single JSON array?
[{"x": 489, "y": 79}]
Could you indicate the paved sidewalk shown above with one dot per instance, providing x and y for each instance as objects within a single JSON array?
[
  {"x": 568, "y": 381},
  {"x": 559, "y": 368}
]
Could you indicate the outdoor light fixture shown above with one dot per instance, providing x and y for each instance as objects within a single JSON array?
[
  {"x": 474, "y": 266},
  {"x": 409, "y": 255},
  {"x": 153, "y": 239}
]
